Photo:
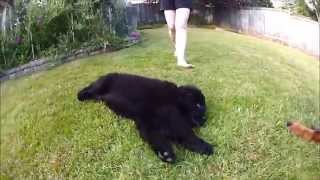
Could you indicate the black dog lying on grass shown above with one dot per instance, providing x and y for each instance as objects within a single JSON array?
[{"x": 163, "y": 113}]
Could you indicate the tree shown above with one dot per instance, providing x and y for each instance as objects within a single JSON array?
[
  {"x": 7, "y": 9},
  {"x": 288, "y": 4},
  {"x": 316, "y": 7},
  {"x": 309, "y": 8}
]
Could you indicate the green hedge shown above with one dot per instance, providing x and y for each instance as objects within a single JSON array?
[{"x": 58, "y": 27}]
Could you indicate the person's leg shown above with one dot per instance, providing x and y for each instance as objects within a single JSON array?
[
  {"x": 170, "y": 16},
  {"x": 181, "y": 23}
]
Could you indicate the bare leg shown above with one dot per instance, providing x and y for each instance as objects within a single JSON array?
[
  {"x": 181, "y": 23},
  {"x": 170, "y": 16}
]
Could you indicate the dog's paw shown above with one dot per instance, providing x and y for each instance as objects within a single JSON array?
[
  {"x": 203, "y": 147},
  {"x": 166, "y": 156},
  {"x": 206, "y": 149}
]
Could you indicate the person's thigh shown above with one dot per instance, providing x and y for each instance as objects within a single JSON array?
[
  {"x": 170, "y": 16},
  {"x": 182, "y": 16}
]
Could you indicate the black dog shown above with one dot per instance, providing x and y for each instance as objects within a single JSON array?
[{"x": 163, "y": 113}]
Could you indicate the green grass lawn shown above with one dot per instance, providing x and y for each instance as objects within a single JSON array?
[{"x": 252, "y": 87}]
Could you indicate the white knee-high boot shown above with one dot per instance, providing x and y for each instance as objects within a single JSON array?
[{"x": 182, "y": 16}]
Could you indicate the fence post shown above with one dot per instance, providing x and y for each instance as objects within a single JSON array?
[{"x": 132, "y": 17}]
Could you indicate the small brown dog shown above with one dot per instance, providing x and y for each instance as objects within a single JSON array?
[{"x": 306, "y": 133}]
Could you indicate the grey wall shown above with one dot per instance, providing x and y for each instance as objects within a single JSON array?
[{"x": 298, "y": 32}]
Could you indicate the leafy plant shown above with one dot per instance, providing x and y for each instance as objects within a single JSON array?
[{"x": 60, "y": 27}]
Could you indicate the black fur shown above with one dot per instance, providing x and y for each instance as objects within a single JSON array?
[{"x": 163, "y": 113}]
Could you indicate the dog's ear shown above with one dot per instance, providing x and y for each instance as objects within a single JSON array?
[
  {"x": 192, "y": 94},
  {"x": 187, "y": 91},
  {"x": 183, "y": 97},
  {"x": 185, "y": 94}
]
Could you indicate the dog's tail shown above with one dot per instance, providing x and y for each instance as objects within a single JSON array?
[
  {"x": 85, "y": 94},
  {"x": 304, "y": 132},
  {"x": 97, "y": 88}
]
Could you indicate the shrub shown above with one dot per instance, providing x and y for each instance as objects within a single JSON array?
[{"x": 60, "y": 27}]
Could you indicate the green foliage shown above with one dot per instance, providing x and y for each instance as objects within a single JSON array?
[
  {"x": 150, "y": 26},
  {"x": 262, "y": 3},
  {"x": 300, "y": 7},
  {"x": 304, "y": 10},
  {"x": 61, "y": 26},
  {"x": 316, "y": 8},
  {"x": 10, "y": 50},
  {"x": 118, "y": 19},
  {"x": 197, "y": 19}
]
